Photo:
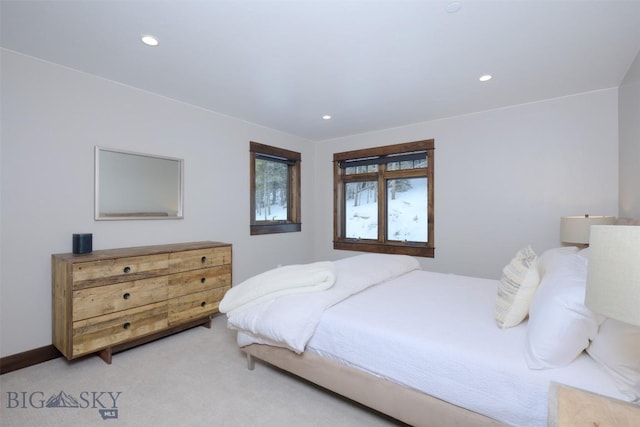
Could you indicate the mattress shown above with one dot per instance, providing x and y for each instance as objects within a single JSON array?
[{"x": 436, "y": 333}]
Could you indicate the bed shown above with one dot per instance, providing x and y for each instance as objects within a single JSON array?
[{"x": 419, "y": 346}]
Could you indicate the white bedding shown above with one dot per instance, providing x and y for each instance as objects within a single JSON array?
[
  {"x": 287, "y": 280},
  {"x": 290, "y": 320},
  {"x": 436, "y": 333}
]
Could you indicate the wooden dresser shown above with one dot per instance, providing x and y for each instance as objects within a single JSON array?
[{"x": 110, "y": 300}]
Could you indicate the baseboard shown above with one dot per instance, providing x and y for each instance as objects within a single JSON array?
[
  {"x": 28, "y": 358},
  {"x": 43, "y": 354}
]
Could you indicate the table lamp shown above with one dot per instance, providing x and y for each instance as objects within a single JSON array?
[{"x": 575, "y": 229}]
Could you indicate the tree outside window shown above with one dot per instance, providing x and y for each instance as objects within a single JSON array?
[
  {"x": 275, "y": 189},
  {"x": 384, "y": 199},
  {"x": 272, "y": 190}
]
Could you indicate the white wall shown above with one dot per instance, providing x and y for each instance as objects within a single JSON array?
[
  {"x": 52, "y": 117},
  {"x": 503, "y": 178},
  {"x": 629, "y": 110}
]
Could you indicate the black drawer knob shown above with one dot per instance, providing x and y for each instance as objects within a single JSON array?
[
  {"x": 126, "y": 296},
  {"x": 127, "y": 325},
  {"x": 202, "y": 304},
  {"x": 203, "y": 259},
  {"x": 127, "y": 269},
  {"x": 204, "y": 279}
]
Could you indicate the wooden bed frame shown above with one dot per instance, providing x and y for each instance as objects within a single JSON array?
[{"x": 402, "y": 403}]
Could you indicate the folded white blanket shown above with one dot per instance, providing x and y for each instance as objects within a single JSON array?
[
  {"x": 289, "y": 321},
  {"x": 281, "y": 281}
]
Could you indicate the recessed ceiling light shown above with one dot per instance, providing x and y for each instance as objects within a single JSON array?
[
  {"x": 453, "y": 7},
  {"x": 485, "y": 77},
  {"x": 326, "y": 117},
  {"x": 149, "y": 40}
]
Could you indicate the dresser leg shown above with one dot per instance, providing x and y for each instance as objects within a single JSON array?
[
  {"x": 207, "y": 324},
  {"x": 106, "y": 355}
]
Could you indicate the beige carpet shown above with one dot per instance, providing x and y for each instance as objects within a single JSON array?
[{"x": 195, "y": 378}]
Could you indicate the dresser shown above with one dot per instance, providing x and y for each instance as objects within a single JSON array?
[{"x": 110, "y": 300}]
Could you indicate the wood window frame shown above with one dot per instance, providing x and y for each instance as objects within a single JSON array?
[
  {"x": 293, "y": 222},
  {"x": 382, "y": 244}
]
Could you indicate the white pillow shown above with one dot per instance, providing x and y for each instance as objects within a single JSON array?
[
  {"x": 560, "y": 325},
  {"x": 552, "y": 258},
  {"x": 617, "y": 348},
  {"x": 584, "y": 253},
  {"x": 520, "y": 279}
]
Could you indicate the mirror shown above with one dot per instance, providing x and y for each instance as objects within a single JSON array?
[{"x": 137, "y": 186}]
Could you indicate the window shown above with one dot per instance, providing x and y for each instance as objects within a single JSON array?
[
  {"x": 384, "y": 199},
  {"x": 275, "y": 189}
]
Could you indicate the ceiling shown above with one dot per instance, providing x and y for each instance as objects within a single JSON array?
[{"x": 369, "y": 64}]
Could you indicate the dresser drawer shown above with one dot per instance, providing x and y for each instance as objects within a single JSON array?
[
  {"x": 199, "y": 280},
  {"x": 87, "y": 274},
  {"x": 96, "y": 301},
  {"x": 193, "y": 306},
  {"x": 99, "y": 332},
  {"x": 198, "y": 259}
]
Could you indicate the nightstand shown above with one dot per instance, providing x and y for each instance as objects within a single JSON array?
[{"x": 572, "y": 407}]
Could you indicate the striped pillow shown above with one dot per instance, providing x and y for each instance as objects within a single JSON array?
[{"x": 520, "y": 279}]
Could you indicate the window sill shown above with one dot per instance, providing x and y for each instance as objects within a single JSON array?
[
  {"x": 385, "y": 248},
  {"x": 275, "y": 228}
]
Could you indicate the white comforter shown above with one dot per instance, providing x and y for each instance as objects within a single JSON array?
[
  {"x": 436, "y": 333},
  {"x": 289, "y": 321}
]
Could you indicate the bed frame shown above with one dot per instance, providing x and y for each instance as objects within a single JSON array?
[{"x": 402, "y": 403}]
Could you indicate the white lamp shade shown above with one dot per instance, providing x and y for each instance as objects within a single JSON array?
[
  {"x": 613, "y": 275},
  {"x": 575, "y": 229}
]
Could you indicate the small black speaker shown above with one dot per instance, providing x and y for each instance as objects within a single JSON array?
[{"x": 82, "y": 243}]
